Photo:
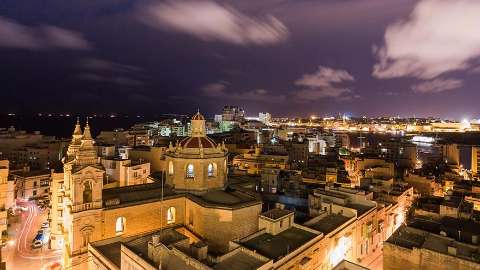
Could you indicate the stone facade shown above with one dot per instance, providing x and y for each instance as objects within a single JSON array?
[{"x": 83, "y": 215}]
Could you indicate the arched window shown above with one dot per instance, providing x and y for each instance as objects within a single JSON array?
[
  {"x": 120, "y": 225},
  {"x": 190, "y": 173},
  {"x": 170, "y": 168},
  {"x": 87, "y": 192},
  {"x": 171, "y": 215},
  {"x": 211, "y": 169}
]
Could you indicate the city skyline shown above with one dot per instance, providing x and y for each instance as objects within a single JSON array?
[{"x": 299, "y": 58}]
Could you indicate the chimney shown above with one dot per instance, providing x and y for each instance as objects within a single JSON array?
[{"x": 155, "y": 239}]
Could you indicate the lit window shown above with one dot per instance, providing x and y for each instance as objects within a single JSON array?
[
  {"x": 211, "y": 169},
  {"x": 120, "y": 225},
  {"x": 171, "y": 215},
  {"x": 170, "y": 168},
  {"x": 190, "y": 171}
]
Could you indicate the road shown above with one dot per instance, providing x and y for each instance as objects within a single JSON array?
[{"x": 18, "y": 254}]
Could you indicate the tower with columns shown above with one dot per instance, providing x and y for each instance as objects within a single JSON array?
[{"x": 82, "y": 202}]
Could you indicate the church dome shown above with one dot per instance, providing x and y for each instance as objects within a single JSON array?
[
  {"x": 196, "y": 142},
  {"x": 198, "y": 116}
]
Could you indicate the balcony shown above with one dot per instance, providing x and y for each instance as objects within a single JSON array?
[{"x": 86, "y": 206}]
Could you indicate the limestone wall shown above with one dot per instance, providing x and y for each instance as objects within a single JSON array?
[
  {"x": 142, "y": 217},
  {"x": 219, "y": 226}
]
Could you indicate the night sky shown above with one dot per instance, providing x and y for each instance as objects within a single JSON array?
[{"x": 287, "y": 57}]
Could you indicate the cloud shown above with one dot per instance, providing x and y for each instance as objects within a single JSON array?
[
  {"x": 215, "y": 89},
  {"x": 210, "y": 21},
  {"x": 438, "y": 37},
  {"x": 437, "y": 86},
  {"x": 15, "y": 35},
  {"x": 98, "y": 64},
  {"x": 117, "y": 80},
  {"x": 325, "y": 83},
  {"x": 105, "y": 71},
  {"x": 219, "y": 90}
]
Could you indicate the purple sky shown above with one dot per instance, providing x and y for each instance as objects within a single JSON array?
[{"x": 288, "y": 57}]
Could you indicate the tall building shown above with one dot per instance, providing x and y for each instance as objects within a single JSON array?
[
  {"x": 265, "y": 118},
  {"x": 81, "y": 214},
  {"x": 233, "y": 113}
]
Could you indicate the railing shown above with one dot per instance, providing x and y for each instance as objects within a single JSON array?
[{"x": 86, "y": 206}]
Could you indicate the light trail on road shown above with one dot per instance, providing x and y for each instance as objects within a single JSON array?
[{"x": 23, "y": 249}]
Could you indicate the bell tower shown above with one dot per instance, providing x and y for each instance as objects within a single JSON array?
[{"x": 83, "y": 179}]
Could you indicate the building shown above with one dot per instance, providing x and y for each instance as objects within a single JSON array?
[
  {"x": 57, "y": 208},
  {"x": 265, "y": 118},
  {"x": 413, "y": 248},
  {"x": 155, "y": 155},
  {"x": 286, "y": 244},
  {"x": 233, "y": 113},
  {"x": 254, "y": 161},
  {"x": 354, "y": 225},
  {"x": 4, "y": 169},
  {"x": 115, "y": 137},
  {"x": 423, "y": 185},
  {"x": 194, "y": 199},
  {"x": 31, "y": 184},
  {"x": 125, "y": 172},
  {"x": 361, "y": 167}
]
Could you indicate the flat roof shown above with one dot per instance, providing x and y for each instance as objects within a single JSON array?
[
  {"x": 112, "y": 251},
  {"x": 134, "y": 194},
  {"x": 329, "y": 223},
  {"x": 331, "y": 193},
  {"x": 111, "y": 248},
  {"x": 276, "y": 213},
  {"x": 228, "y": 198},
  {"x": 409, "y": 237},
  {"x": 277, "y": 246},
  {"x": 406, "y": 238},
  {"x": 361, "y": 209},
  {"x": 241, "y": 260},
  {"x": 32, "y": 173}
]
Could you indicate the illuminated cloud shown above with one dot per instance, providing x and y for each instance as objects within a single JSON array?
[
  {"x": 218, "y": 90},
  {"x": 210, "y": 21},
  {"x": 439, "y": 36},
  {"x": 437, "y": 86},
  {"x": 15, "y": 35},
  {"x": 105, "y": 71},
  {"x": 215, "y": 89},
  {"x": 98, "y": 64},
  {"x": 325, "y": 83}
]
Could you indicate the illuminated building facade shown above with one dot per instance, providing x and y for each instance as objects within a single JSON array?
[{"x": 194, "y": 198}]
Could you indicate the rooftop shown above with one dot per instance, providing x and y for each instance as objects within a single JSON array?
[
  {"x": 277, "y": 246},
  {"x": 276, "y": 213},
  {"x": 228, "y": 198},
  {"x": 115, "y": 197},
  {"x": 408, "y": 237},
  {"x": 241, "y": 260},
  {"x": 361, "y": 209},
  {"x": 32, "y": 173},
  {"x": 111, "y": 248},
  {"x": 329, "y": 223}
]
